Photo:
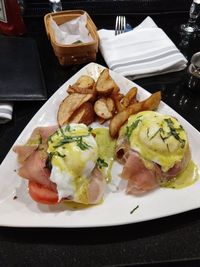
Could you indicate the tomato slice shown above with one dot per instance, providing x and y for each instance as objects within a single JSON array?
[{"x": 41, "y": 194}]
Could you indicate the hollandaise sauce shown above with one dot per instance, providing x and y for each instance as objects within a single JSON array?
[
  {"x": 73, "y": 154},
  {"x": 157, "y": 137},
  {"x": 186, "y": 178},
  {"x": 106, "y": 150}
]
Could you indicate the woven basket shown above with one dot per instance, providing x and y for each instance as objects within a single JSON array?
[{"x": 75, "y": 53}]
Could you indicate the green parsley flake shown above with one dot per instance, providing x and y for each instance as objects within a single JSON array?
[
  {"x": 134, "y": 209},
  {"x": 101, "y": 163}
]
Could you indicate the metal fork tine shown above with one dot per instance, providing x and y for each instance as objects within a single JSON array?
[
  {"x": 120, "y": 25},
  {"x": 124, "y": 24},
  {"x": 116, "y": 25}
]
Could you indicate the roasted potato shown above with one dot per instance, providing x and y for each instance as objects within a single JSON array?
[
  {"x": 85, "y": 82},
  {"x": 120, "y": 118},
  {"x": 117, "y": 97},
  {"x": 105, "y": 84},
  {"x": 102, "y": 101},
  {"x": 69, "y": 105},
  {"x": 84, "y": 85},
  {"x": 129, "y": 98},
  {"x": 101, "y": 108},
  {"x": 110, "y": 104},
  {"x": 84, "y": 114}
]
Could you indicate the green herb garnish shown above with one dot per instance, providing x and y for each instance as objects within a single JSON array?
[
  {"x": 50, "y": 156},
  {"x": 101, "y": 163},
  {"x": 77, "y": 42},
  {"x": 70, "y": 139},
  {"x": 134, "y": 209},
  {"x": 90, "y": 129},
  {"x": 148, "y": 132},
  {"x": 174, "y": 133},
  {"x": 67, "y": 128},
  {"x": 133, "y": 126},
  {"x": 61, "y": 130},
  {"x": 56, "y": 153},
  {"x": 81, "y": 144},
  {"x": 155, "y": 134}
]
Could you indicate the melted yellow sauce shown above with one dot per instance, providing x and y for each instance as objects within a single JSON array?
[
  {"x": 76, "y": 206},
  {"x": 106, "y": 149},
  {"x": 157, "y": 137},
  {"x": 188, "y": 177},
  {"x": 79, "y": 206}
]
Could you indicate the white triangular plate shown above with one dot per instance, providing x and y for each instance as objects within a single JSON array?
[{"x": 116, "y": 208}]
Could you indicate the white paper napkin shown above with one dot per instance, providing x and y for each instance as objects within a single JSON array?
[
  {"x": 72, "y": 31},
  {"x": 6, "y": 110},
  {"x": 144, "y": 51}
]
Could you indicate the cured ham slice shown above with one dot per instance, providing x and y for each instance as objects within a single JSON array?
[
  {"x": 32, "y": 156},
  {"x": 24, "y": 152},
  {"x": 34, "y": 169},
  {"x": 38, "y": 137},
  {"x": 122, "y": 149},
  {"x": 96, "y": 187},
  {"x": 140, "y": 179}
]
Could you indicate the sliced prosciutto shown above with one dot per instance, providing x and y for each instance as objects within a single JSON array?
[
  {"x": 96, "y": 186},
  {"x": 37, "y": 140},
  {"x": 140, "y": 178},
  {"x": 33, "y": 158},
  {"x": 34, "y": 169}
]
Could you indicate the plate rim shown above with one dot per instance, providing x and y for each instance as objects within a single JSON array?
[{"x": 42, "y": 109}]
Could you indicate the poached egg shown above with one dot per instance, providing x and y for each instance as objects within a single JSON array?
[
  {"x": 73, "y": 153},
  {"x": 157, "y": 138}
]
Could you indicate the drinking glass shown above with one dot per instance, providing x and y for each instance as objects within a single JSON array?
[
  {"x": 191, "y": 26},
  {"x": 194, "y": 72}
]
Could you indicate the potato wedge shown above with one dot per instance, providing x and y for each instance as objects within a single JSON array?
[
  {"x": 105, "y": 84},
  {"x": 101, "y": 108},
  {"x": 79, "y": 90},
  {"x": 84, "y": 85},
  {"x": 117, "y": 97},
  {"x": 130, "y": 97},
  {"x": 84, "y": 114},
  {"x": 110, "y": 104},
  {"x": 71, "y": 103},
  {"x": 84, "y": 82},
  {"x": 120, "y": 118}
]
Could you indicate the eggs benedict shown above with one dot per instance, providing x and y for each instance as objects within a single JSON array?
[
  {"x": 69, "y": 163},
  {"x": 154, "y": 149}
]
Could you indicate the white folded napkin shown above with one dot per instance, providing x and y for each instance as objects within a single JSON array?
[
  {"x": 144, "y": 51},
  {"x": 6, "y": 110}
]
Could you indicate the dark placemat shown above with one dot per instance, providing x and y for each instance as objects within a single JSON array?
[{"x": 21, "y": 76}]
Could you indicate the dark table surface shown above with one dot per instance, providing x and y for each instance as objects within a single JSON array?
[{"x": 174, "y": 239}]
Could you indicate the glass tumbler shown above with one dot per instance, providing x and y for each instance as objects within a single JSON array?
[{"x": 194, "y": 72}]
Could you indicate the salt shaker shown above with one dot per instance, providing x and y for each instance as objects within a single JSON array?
[
  {"x": 55, "y": 5},
  {"x": 194, "y": 71}
]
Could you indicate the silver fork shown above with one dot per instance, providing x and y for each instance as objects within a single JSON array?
[{"x": 120, "y": 25}]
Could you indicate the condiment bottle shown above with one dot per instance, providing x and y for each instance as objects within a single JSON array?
[{"x": 11, "y": 21}]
